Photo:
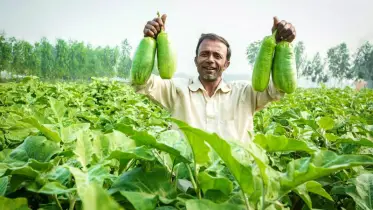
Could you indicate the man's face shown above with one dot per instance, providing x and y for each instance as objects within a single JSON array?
[{"x": 211, "y": 60}]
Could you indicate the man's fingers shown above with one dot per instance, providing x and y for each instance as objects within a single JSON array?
[
  {"x": 290, "y": 38},
  {"x": 164, "y": 17},
  {"x": 156, "y": 25},
  {"x": 151, "y": 28},
  {"x": 280, "y": 29},
  {"x": 275, "y": 21},
  {"x": 148, "y": 32}
]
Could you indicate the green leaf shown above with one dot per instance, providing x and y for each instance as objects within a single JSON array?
[
  {"x": 143, "y": 138},
  {"x": 84, "y": 148},
  {"x": 156, "y": 181},
  {"x": 3, "y": 185},
  {"x": 58, "y": 108},
  {"x": 361, "y": 191},
  {"x": 208, "y": 182},
  {"x": 272, "y": 143},
  {"x": 34, "y": 147},
  {"x": 322, "y": 163},
  {"x": 199, "y": 148},
  {"x": 95, "y": 198},
  {"x": 243, "y": 174},
  {"x": 314, "y": 187},
  {"x": 70, "y": 132},
  {"x": 81, "y": 180},
  {"x": 141, "y": 153},
  {"x": 360, "y": 141},
  {"x": 13, "y": 204},
  {"x": 60, "y": 174},
  {"x": 140, "y": 200},
  {"x": 55, "y": 188},
  {"x": 119, "y": 141},
  {"x": 52, "y": 135},
  {"x": 204, "y": 204},
  {"x": 326, "y": 123}
]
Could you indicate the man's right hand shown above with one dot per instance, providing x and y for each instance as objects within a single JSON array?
[{"x": 153, "y": 27}]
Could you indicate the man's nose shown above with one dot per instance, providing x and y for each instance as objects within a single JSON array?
[{"x": 210, "y": 59}]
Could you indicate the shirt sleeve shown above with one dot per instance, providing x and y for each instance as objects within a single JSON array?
[
  {"x": 160, "y": 90},
  {"x": 258, "y": 100}
]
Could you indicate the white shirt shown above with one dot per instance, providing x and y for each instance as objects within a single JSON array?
[{"x": 228, "y": 112}]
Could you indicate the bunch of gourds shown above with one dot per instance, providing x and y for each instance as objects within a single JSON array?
[
  {"x": 278, "y": 59},
  {"x": 144, "y": 58}
]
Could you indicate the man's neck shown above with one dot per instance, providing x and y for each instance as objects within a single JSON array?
[{"x": 210, "y": 87}]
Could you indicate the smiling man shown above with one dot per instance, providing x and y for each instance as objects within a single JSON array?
[{"x": 207, "y": 101}]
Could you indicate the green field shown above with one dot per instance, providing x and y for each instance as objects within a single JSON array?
[{"x": 99, "y": 145}]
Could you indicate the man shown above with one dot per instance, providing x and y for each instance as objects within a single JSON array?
[{"x": 207, "y": 101}]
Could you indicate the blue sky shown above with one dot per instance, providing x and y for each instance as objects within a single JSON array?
[{"x": 240, "y": 22}]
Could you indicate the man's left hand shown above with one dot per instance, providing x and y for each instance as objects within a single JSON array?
[{"x": 285, "y": 30}]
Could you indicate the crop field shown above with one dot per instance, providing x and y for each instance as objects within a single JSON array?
[{"x": 84, "y": 146}]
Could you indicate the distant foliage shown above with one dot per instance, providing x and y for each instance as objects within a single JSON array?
[{"x": 68, "y": 60}]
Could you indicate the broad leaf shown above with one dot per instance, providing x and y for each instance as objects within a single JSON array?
[
  {"x": 13, "y": 204},
  {"x": 96, "y": 198},
  {"x": 243, "y": 174},
  {"x": 154, "y": 182},
  {"x": 209, "y": 205},
  {"x": 322, "y": 163},
  {"x": 313, "y": 187},
  {"x": 326, "y": 123},
  {"x": 3, "y": 185},
  {"x": 361, "y": 191},
  {"x": 84, "y": 148},
  {"x": 34, "y": 147},
  {"x": 208, "y": 182},
  {"x": 140, "y": 200},
  {"x": 52, "y": 135},
  {"x": 272, "y": 143}
]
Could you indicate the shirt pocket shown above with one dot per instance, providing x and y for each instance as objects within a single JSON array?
[
  {"x": 228, "y": 129},
  {"x": 227, "y": 112}
]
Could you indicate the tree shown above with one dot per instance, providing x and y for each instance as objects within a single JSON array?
[
  {"x": 47, "y": 58},
  {"x": 300, "y": 58},
  {"x": 5, "y": 53},
  {"x": 62, "y": 58},
  {"x": 314, "y": 70},
  {"x": 339, "y": 62},
  {"x": 363, "y": 62},
  {"x": 252, "y": 51}
]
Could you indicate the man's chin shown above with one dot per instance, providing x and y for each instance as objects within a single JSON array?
[{"x": 209, "y": 77}]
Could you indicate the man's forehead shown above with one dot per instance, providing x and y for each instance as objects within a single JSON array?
[{"x": 209, "y": 44}]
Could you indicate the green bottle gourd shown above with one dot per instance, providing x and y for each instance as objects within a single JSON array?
[
  {"x": 263, "y": 63},
  {"x": 166, "y": 56},
  {"x": 284, "y": 68},
  {"x": 143, "y": 61}
]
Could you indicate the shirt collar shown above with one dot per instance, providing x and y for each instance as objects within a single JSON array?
[{"x": 196, "y": 84}]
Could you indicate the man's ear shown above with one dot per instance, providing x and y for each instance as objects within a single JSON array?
[
  {"x": 226, "y": 65},
  {"x": 195, "y": 60}
]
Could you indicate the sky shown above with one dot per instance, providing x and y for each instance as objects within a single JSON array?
[{"x": 239, "y": 21}]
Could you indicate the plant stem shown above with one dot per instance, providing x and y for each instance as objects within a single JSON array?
[
  {"x": 172, "y": 169},
  {"x": 57, "y": 201},
  {"x": 72, "y": 204},
  {"x": 263, "y": 195},
  {"x": 244, "y": 197},
  {"x": 193, "y": 181}
]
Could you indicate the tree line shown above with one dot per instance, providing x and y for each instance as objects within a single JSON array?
[
  {"x": 339, "y": 62},
  {"x": 68, "y": 60}
]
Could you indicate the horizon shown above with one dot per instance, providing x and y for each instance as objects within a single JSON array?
[{"x": 108, "y": 23}]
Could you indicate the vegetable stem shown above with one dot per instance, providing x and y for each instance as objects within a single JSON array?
[
  {"x": 193, "y": 181},
  {"x": 57, "y": 201}
]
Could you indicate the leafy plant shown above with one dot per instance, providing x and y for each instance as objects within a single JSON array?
[{"x": 100, "y": 145}]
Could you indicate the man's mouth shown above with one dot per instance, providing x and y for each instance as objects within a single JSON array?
[{"x": 209, "y": 70}]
